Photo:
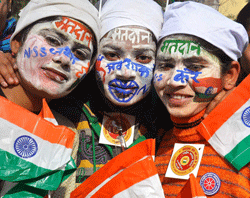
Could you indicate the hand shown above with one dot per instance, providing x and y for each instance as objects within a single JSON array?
[
  {"x": 7, "y": 70},
  {"x": 217, "y": 100}
]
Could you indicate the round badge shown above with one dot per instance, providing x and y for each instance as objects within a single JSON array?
[
  {"x": 246, "y": 117},
  {"x": 209, "y": 91},
  {"x": 210, "y": 183},
  {"x": 111, "y": 128},
  {"x": 25, "y": 146},
  {"x": 185, "y": 160}
]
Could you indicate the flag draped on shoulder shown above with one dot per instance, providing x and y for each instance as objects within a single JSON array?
[
  {"x": 227, "y": 127},
  {"x": 35, "y": 154},
  {"x": 192, "y": 189},
  {"x": 130, "y": 174}
]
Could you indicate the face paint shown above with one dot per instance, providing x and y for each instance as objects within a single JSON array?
[
  {"x": 47, "y": 63},
  {"x": 125, "y": 65},
  {"x": 76, "y": 30},
  {"x": 187, "y": 77}
]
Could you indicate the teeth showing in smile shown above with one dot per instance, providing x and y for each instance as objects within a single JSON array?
[{"x": 178, "y": 96}]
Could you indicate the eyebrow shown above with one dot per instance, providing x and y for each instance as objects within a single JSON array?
[
  {"x": 65, "y": 38},
  {"x": 113, "y": 47},
  {"x": 195, "y": 59},
  {"x": 144, "y": 49}
]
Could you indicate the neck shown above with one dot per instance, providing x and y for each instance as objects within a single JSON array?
[
  {"x": 23, "y": 98},
  {"x": 187, "y": 129}
]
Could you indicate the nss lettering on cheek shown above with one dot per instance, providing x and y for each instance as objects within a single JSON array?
[{"x": 42, "y": 52}]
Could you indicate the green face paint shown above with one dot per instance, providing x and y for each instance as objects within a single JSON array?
[{"x": 183, "y": 47}]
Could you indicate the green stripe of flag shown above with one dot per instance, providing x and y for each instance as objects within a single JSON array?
[
  {"x": 15, "y": 169},
  {"x": 239, "y": 155}
]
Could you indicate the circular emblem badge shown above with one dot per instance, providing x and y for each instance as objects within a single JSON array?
[
  {"x": 185, "y": 160},
  {"x": 210, "y": 183},
  {"x": 25, "y": 146},
  {"x": 246, "y": 117},
  {"x": 209, "y": 91},
  {"x": 112, "y": 126}
]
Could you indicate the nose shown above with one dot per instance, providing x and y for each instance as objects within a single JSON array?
[
  {"x": 62, "y": 59},
  {"x": 126, "y": 70},
  {"x": 178, "y": 77}
]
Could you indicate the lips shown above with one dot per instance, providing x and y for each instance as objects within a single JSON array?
[
  {"x": 123, "y": 91},
  {"x": 55, "y": 75},
  {"x": 175, "y": 99}
]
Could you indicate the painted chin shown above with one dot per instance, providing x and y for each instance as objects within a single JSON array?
[{"x": 123, "y": 91}]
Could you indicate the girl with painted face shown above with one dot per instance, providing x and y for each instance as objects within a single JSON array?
[
  {"x": 53, "y": 50},
  {"x": 196, "y": 59},
  {"x": 121, "y": 114},
  {"x": 55, "y": 46}
]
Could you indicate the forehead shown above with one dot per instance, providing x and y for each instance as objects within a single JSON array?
[
  {"x": 130, "y": 35},
  {"x": 68, "y": 27},
  {"x": 180, "y": 47},
  {"x": 184, "y": 48}
]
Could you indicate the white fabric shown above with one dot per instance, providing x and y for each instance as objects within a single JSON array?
[
  {"x": 205, "y": 22},
  {"x": 144, "y": 13},
  {"x": 81, "y": 10}
]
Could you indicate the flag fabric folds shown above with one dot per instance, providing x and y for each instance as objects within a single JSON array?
[
  {"x": 227, "y": 127},
  {"x": 35, "y": 154},
  {"x": 130, "y": 174},
  {"x": 192, "y": 189}
]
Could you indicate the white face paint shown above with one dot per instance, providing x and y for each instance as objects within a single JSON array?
[
  {"x": 125, "y": 64},
  {"x": 54, "y": 57},
  {"x": 187, "y": 77}
]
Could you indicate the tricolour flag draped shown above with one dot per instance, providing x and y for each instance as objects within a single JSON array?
[
  {"x": 227, "y": 127},
  {"x": 130, "y": 174},
  {"x": 192, "y": 189},
  {"x": 34, "y": 153}
]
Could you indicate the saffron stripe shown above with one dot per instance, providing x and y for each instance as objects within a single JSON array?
[{"x": 35, "y": 124}]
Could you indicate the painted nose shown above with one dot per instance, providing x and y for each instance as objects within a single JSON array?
[
  {"x": 126, "y": 71},
  {"x": 62, "y": 60},
  {"x": 178, "y": 77}
]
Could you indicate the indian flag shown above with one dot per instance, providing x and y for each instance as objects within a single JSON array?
[
  {"x": 192, "y": 189},
  {"x": 130, "y": 174},
  {"x": 34, "y": 152},
  {"x": 204, "y": 91},
  {"x": 227, "y": 127}
]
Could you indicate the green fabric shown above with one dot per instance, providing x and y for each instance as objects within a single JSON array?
[{"x": 239, "y": 155}]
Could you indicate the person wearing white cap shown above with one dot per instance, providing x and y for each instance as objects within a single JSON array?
[
  {"x": 197, "y": 58},
  {"x": 55, "y": 44},
  {"x": 121, "y": 115}
]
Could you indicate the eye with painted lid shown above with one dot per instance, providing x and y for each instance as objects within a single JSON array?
[{"x": 53, "y": 40}]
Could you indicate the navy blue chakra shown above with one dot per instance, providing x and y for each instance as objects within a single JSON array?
[
  {"x": 25, "y": 146},
  {"x": 210, "y": 183},
  {"x": 246, "y": 117}
]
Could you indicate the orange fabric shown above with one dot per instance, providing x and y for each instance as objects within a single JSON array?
[
  {"x": 128, "y": 157},
  {"x": 233, "y": 183},
  {"x": 222, "y": 113},
  {"x": 35, "y": 124},
  {"x": 192, "y": 189}
]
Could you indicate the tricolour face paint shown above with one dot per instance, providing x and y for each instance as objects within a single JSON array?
[
  {"x": 125, "y": 64},
  {"x": 52, "y": 59},
  {"x": 187, "y": 77}
]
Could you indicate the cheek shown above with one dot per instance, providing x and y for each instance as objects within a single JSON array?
[
  {"x": 79, "y": 70},
  {"x": 207, "y": 88},
  {"x": 101, "y": 68}
]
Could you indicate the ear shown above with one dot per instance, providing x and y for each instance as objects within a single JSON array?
[
  {"x": 15, "y": 45},
  {"x": 231, "y": 76}
]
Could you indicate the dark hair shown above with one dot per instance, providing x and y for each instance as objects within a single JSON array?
[{"x": 244, "y": 16}]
